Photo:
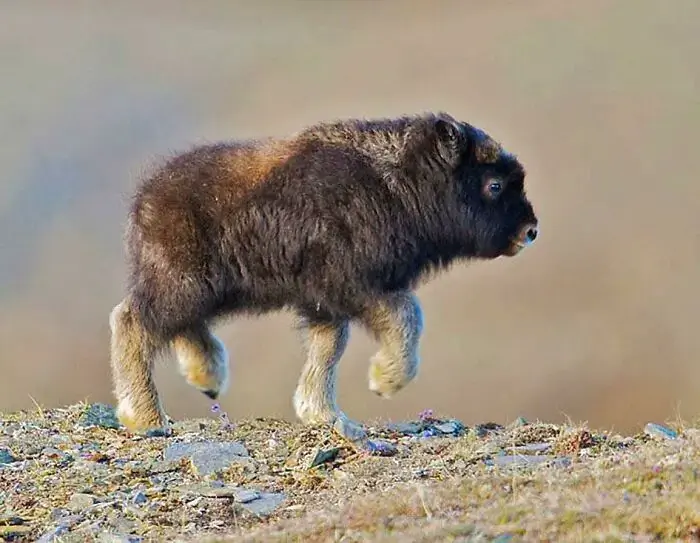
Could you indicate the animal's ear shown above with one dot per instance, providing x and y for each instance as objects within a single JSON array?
[{"x": 452, "y": 139}]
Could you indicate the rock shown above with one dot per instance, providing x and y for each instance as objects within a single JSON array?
[
  {"x": 660, "y": 432},
  {"x": 380, "y": 448},
  {"x": 188, "y": 426},
  {"x": 108, "y": 537},
  {"x": 54, "y": 534},
  {"x": 11, "y": 532},
  {"x": 79, "y": 502},
  {"x": 258, "y": 503},
  {"x": 265, "y": 504},
  {"x": 208, "y": 457},
  {"x": 217, "y": 489},
  {"x": 139, "y": 498},
  {"x": 99, "y": 414},
  {"x": 406, "y": 428},
  {"x": 164, "y": 466},
  {"x": 11, "y": 520},
  {"x": 482, "y": 430},
  {"x": 451, "y": 427},
  {"x": 428, "y": 428},
  {"x": 323, "y": 456},
  {"x": 505, "y": 460},
  {"x": 531, "y": 447},
  {"x": 6, "y": 457},
  {"x": 246, "y": 496}
]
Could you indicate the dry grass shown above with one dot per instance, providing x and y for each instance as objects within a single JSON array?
[{"x": 596, "y": 486}]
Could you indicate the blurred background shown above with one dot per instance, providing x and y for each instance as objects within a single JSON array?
[{"x": 596, "y": 322}]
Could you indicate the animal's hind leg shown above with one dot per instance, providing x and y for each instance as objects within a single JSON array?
[
  {"x": 132, "y": 353},
  {"x": 315, "y": 397},
  {"x": 203, "y": 360},
  {"x": 397, "y": 322}
]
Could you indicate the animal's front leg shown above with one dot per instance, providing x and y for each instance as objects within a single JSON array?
[
  {"x": 315, "y": 395},
  {"x": 397, "y": 323}
]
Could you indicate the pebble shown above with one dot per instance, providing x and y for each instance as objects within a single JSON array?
[
  {"x": 519, "y": 423},
  {"x": 532, "y": 447},
  {"x": 99, "y": 414},
  {"x": 253, "y": 501},
  {"x": 380, "y": 448},
  {"x": 217, "y": 489},
  {"x": 188, "y": 426},
  {"x": 428, "y": 428},
  {"x": 406, "y": 428},
  {"x": 208, "y": 457},
  {"x": 54, "y": 534},
  {"x": 265, "y": 504},
  {"x": 322, "y": 456},
  {"x": 14, "y": 531},
  {"x": 108, "y": 537},
  {"x": 6, "y": 457},
  {"x": 139, "y": 498},
  {"x": 452, "y": 427},
  {"x": 79, "y": 502},
  {"x": 505, "y": 460},
  {"x": 658, "y": 431}
]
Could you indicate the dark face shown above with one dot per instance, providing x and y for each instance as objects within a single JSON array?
[{"x": 498, "y": 219}]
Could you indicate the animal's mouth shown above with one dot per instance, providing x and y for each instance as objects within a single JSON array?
[{"x": 515, "y": 247}]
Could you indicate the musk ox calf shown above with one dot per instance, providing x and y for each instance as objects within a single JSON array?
[{"x": 338, "y": 223}]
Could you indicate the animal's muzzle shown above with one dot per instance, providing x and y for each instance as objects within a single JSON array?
[{"x": 526, "y": 236}]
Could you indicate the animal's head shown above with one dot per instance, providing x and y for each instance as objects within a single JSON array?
[{"x": 494, "y": 216}]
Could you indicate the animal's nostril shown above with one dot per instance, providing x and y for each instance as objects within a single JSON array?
[{"x": 531, "y": 234}]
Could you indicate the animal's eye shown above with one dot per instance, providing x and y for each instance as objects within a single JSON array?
[{"x": 495, "y": 188}]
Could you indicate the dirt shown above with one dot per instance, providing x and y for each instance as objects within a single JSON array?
[{"x": 73, "y": 474}]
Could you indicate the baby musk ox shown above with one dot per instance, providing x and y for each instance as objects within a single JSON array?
[{"x": 339, "y": 223}]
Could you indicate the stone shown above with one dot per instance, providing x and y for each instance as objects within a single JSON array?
[
  {"x": 79, "y": 502},
  {"x": 660, "y": 432},
  {"x": 531, "y": 447},
  {"x": 322, "y": 456},
  {"x": 109, "y": 537},
  {"x": 265, "y": 504},
  {"x": 406, "y": 428},
  {"x": 246, "y": 496},
  {"x": 99, "y": 414},
  {"x": 55, "y": 534},
  {"x": 208, "y": 457},
  {"x": 519, "y": 423},
  {"x": 6, "y": 457},
  {"x": 139, "y": 498},
  {"x": 11, "y": 520},
  {"x": 11, "y": 532},
  {"x": 164, "y": 466},
  {"x": 189, "y": 426},
  {"x": 450, "y": 427},
  {"x": 506, "y": 460},
  {"x": 380, "y": 448},
  {"x": 217, "y": 489}
]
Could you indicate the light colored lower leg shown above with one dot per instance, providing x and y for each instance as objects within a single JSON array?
[
  {"x": 203, "y": 361},
  {"x": 397, "y": 323},
  {"x": 314, "y": 398},
  {"x": 131, "y": 359}
]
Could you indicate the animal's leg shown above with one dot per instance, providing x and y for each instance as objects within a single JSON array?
[
  {"x": 397, "y": 323},
  {"x": 203, "y": 360},
  {"x": 315, "y": 397},
  {"x": 132, "y": 353}
]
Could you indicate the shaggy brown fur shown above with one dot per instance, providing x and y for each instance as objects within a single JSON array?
[{"x": 338, "y": 223}]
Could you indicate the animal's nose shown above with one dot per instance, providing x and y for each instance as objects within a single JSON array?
[{"x": 531, "y": 234}]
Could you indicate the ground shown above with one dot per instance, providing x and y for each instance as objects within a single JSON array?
[{"x": 73, "y": 474}]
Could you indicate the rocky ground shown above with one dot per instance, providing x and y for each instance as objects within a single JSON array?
[{"x": 73, "y": 474}]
